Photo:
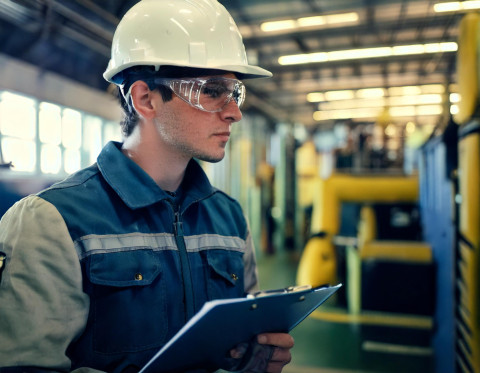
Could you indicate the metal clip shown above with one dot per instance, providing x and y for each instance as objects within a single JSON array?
[{"x": 289, "y": 289}]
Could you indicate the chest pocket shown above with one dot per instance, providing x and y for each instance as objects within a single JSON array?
[
  {"x": 225, "y": 274},
  {"x": 128, "y": 305}
]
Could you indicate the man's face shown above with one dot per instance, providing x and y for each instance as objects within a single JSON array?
[{"x": 190, "y": 132}]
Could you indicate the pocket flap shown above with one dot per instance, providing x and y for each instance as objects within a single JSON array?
[
  {"x": 124, "y": 268},
  {"x": 227, "y": 264}
]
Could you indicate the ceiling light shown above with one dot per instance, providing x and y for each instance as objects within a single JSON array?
[
  {"x": 454, "y": 109},
  {"x": 303, "y": 58},
  {"x": 339, "y": 95},
  {"x": 352, "y": 54},
  {"x": 447, "y": 7},
  {"x": 416, "y": 100},
  {"x": 426, "y": 92},
  {"x": 467, "y": 5},
  {"x": 433, "y": 88},
  {"x": 351, "y": 17},
  {"x": 315, "y": 97},
  {"x": 353, "y": 104},
  {"x": 290, "y": 24},
  {"x": 454, "y": 98},
  {"x": 311, "y": 21},
  {"x": 444, "y": 47},
  {"x": 404, "y": 91},
  {"x": 370, "y": 93},
  {"x": 287, "y": 24},
  {"x": 363, "y": 113},
  {"x": 401, "y": 50},
  {"x": 455, "y": 6},
  {"x": 346, "y": 114}
]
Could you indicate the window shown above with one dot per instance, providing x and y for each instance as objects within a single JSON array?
[
  {"x": 18, "y": 131},
  {"x": 43, "y": 137}
]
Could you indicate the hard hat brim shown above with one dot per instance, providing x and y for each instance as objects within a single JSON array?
[{"x": 241, "y": 71}]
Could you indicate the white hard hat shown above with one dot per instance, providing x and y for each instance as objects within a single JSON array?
[{"x": 184, "y": 33}]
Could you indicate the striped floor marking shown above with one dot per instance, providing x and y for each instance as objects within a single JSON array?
[
  {"x": 376, "y": 318},
  {"x": 390, "y": 348}
]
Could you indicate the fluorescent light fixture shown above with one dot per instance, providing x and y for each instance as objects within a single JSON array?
[
  {"x": 447, "y": 7},
  {"x": 401, "y": 50},
  {"x": 311, "y": 21},
  {"x": 456, "y": 6},
  {"x": 339, "y": 95},
  {"x": 315, "y": 97},
  {"x": 405, "y": 91},
  {"x": 468, "y": 5},
  {"x": 379, "y": 102},
  {"x": 352, "y": 54},
  {"x": 406, "y": 101},
  {"x": 454, "y": 109},
  {"x": 415, "y": 100},
  {"x": 434, "y": 91},
  {"x": 303, "y": 58},
  {"x": 351, "y": 17},
  {"x": 290, "y": 24},
  {"x": 362, "y": 113},
  {"x": 287, "y": 24},
  {"x": 433, "y": 88},
  {"x": 454, "y": 98},
  {"x": 370, "y": 93},
  {"x": 346, "y": 114},
  {"x": 444, "y": 47}
]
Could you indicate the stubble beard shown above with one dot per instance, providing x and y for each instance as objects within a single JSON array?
[{"x": 187, "y": 149}]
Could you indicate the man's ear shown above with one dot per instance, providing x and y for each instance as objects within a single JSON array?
[{"x": 142, "y": 99}]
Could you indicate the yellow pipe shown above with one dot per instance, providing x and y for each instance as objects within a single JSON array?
[{"x": 313, "y": 269}]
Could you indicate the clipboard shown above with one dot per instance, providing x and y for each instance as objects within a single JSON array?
[{"x": 220, "y": 325}]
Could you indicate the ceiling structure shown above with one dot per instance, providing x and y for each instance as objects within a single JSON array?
[{"x": 355, "y": 46}]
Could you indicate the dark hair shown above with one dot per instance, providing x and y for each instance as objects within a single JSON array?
[{"x": 133, "y": 74}]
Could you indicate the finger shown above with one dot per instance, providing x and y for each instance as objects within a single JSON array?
[
  {"x": 281, "y": 355},
  {"x": 283, "y": 340}
]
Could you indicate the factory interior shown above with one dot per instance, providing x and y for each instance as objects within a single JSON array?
[{"x": 356, "y": 163}]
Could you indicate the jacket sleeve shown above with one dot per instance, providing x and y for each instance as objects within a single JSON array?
[
  {"x": 250, "y": 266},
  {"x": 42, "y": 304}
]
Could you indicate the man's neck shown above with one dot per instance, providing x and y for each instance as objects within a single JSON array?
[{"x": 164, "y": 167}]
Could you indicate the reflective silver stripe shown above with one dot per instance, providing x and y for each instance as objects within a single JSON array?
[
  {"x": 97, "y": 244},
  {"x": 214, "y": 241}
]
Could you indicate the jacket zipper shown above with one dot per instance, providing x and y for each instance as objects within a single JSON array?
[{"x": 188, "y": 296}]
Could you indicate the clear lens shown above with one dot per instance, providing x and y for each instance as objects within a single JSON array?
[{"x": 210, "y": 95}]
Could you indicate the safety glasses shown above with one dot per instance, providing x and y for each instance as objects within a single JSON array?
[{"x": 210, "y": 95}]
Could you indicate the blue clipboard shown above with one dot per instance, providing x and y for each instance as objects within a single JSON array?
[{"x": 206, "y": 340}]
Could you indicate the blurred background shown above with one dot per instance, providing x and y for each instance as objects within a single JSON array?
[{"x": 357, "y": 163}]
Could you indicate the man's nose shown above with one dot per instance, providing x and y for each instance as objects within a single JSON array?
[{"x": 231, "y": 112}]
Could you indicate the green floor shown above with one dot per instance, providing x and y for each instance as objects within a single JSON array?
[{"x": 330, "y": 341}]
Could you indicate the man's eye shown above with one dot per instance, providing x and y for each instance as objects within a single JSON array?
[{"x": 214, "y": 91}]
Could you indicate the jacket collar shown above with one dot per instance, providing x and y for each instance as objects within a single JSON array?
[{"x": 137, "y": 189}]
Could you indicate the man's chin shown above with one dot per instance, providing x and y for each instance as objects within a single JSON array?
[{"x": 210, "y": 158}]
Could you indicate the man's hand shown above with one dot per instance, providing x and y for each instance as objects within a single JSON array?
[
  {"x": 281, "y": 355},
  {"x": 270, "y": 353}
]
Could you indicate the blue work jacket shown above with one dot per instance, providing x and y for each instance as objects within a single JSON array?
[{"x": 149, "y": 259}]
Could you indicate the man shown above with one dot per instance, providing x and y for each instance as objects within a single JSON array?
[{"x": 103, "y": 268}]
